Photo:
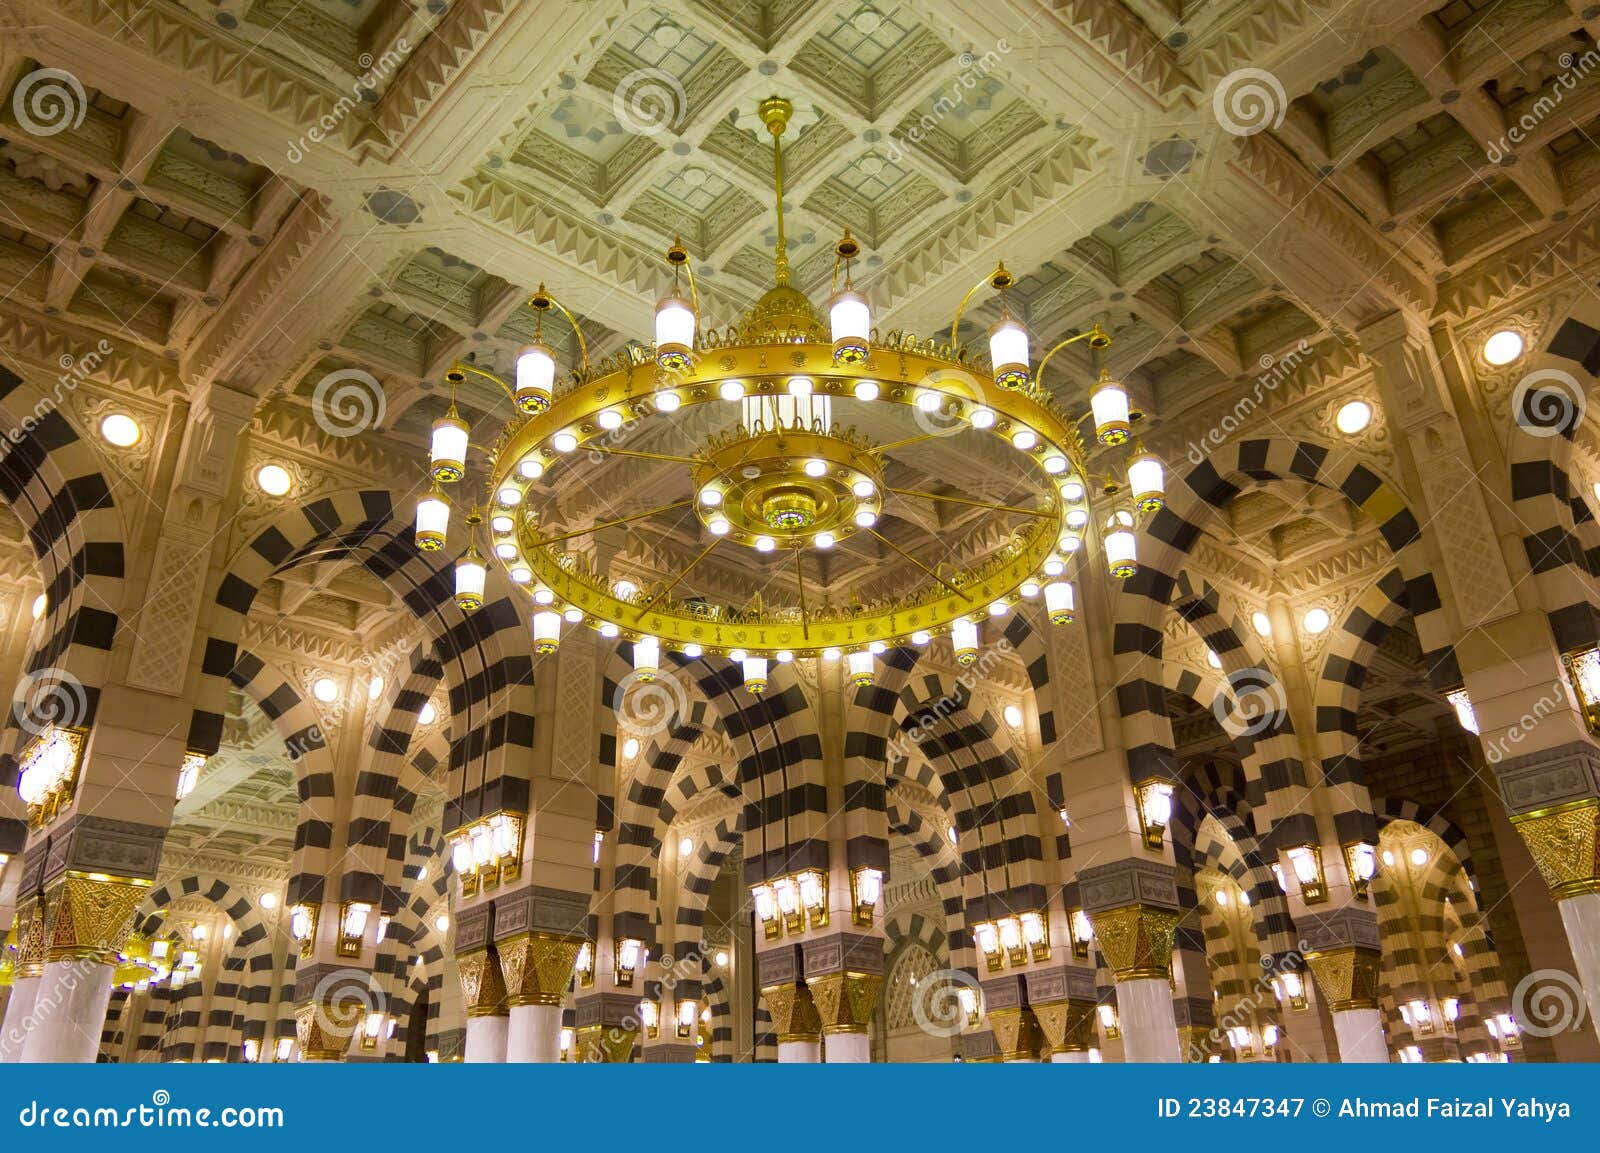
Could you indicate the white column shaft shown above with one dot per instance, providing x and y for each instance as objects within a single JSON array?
[
  {"x": 1360, "y": 1034},
  {"x": 534, "y": 1035},
  {"x": 1149, "y": 1027},
  {"x": 1076, "y": 1057},
  {"x": 849, "y": 1048},
  {"x": 18, "y": 1010},
  {"x": 486, "y": 1040},
  {"x": 799, "y": 1052},
  {"x": 1581, "y": 916},
  {"x": 69, "y": 1012}
]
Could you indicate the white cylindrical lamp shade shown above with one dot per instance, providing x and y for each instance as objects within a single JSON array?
[
  {"x": 546, "y": 632},
  {"x": 646, "y": 658},
  {"x": 536, "y": 378},
  {"x": 433, "y": 521},
  {"x": 675, "y": 324},
  {"x": 755, "y": 674},
  {"x": 964, "y": 640},
  {"x": 1059, "y": 602},
  {"x": 1147, "y": 479},
  {"x": 1008, "y": 353},
  {"x": 860, "y": 666},
  {"x": 1112, "y": 419},
  {"x": 850, "y": 318},
  {"x": 1121, "y": 553},
  {"x": 471, "y": 576},
  {"x": 447, "y": 448}
]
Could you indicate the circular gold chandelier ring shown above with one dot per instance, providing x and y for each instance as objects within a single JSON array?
[{"x": 902, "y": 376}]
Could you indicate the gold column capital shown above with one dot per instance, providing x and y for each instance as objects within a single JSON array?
[
  {"x": 1068, "y": 1026},
  {"x": 1017, "y": 1033},
  {"x": 31, "y": 944},
  {"x": 93, "y": 915},
  {"x": 1565, "y": 843},
  {"x": 537, "y": 967},
  {"x": 324, "y": 1027},
  {"x": 611, "y": 1043},
  {"x": 1137, "y": 940},
  {"x": 844, "y": 1001},
  {"x": 794, "y": 1013},
  {"x": 483, "y": 988},
  {"x": 1347, "y": 977}
]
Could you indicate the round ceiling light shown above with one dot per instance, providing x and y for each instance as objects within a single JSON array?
[
  {"x": 1316, "y": 621},
  {"x": 325, "y": 689},
  {"x": 1013, "y": 716},
  {"x": 120, "y": 429},
  {"x": 1262, "y": 623},
  {"x": 1502, "y": 347},
  {"x": 1353, "y": 417},
  {"x": 274, "y": 479}
]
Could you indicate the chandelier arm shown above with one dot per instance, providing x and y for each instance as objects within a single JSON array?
[
  {"x": 583, "y": 347},
  {"x": 914, "y": 560},
  {"x": 1098, "y": 340},
  {"x": 992, "y": 280},
  {"x": 969, "y": 502},
  {"x": 882, "y": 448},
  {"x": 540, "y": 542},
  {"x": 463, "y": 366},
  {"x": 705, "y": 552}
]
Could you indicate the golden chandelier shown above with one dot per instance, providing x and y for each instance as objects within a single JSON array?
[{"x": 787, "y": 478}]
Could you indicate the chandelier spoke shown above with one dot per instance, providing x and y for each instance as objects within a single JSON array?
[
  {"x": 914, "y": 561},
  {"x": 689, "y": 568},
  {"x": 661, "y": 456},
  {"x": 540, "y": 542},
  {"x": 969, "y": 502}
]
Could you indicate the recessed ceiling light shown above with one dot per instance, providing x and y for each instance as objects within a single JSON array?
[
  {"x": 428, "y": 714},
  {"x": 630, "y": 748},
  {"x": 120, "y": 429},
  {"x": 1262, "y": 623},
  {"x": 1013, "y": 716},
  {"x": 268, "y": 900},
  {"x": 40, "y": 604},
  {"x": 325, "y": 689},
  {"x": 375, "y": 688},
  {"x": 1316, "y": 620},
  {"x": 274, "y": 479},
  {"x": 1353, "y": 417},
  {"x": 1419, "y": 856},
  {"x": 1502, "y": 347},
  {"x": 1213, "y": 659}
]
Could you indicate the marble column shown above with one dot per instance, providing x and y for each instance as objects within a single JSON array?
[
  {"x": 536, "y": 967},
  {"x": 483, "y": 993},
  {"x": 1136, "y": 940},
  {"x": 19, "y": 1010},
  {"x": 1347, "y": 978},
  {"x": 1565, "y": 843}
]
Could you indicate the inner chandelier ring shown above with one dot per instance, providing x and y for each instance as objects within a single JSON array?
[{"x": 547, "y": 442}]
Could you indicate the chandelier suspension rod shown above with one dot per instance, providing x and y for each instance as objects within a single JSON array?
[
  {"x": 705, "y": 552},
  {"x": 542, "y": 301},
  {"x": 968, "y": 501},
  {"x": 465, "y": 367},
  {"x": 800, "y": 579},
  {"x": 775, "y": 112},
  {"x": 914, "y": 561},
  {"x": 621, "y": 520}
]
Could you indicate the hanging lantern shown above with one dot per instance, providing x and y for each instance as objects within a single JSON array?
[
  {"x": 851, "y": 321},
  {"x": 646, "y": 658},
  {"x": 675, "y": 325},
  {"x": 1121, "y": 546},
  {"x": 433, "y": 520},
  {"x": 470, "y": 577},
  {"x": 536, "y": 378},
  {"x": 1112, "y": 419},
  {"x": 860, "y": 666},
  {"x": 546, "y": 632},
  {"x": 447, "y": 450},
  {"x": 964, "y": 639},
  {"x": 1058, "y": 602},
  {"x": 755, "y": 675},
  {"x": 1008, "y": 353},
  {"x": 1147, "y": 479}
]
